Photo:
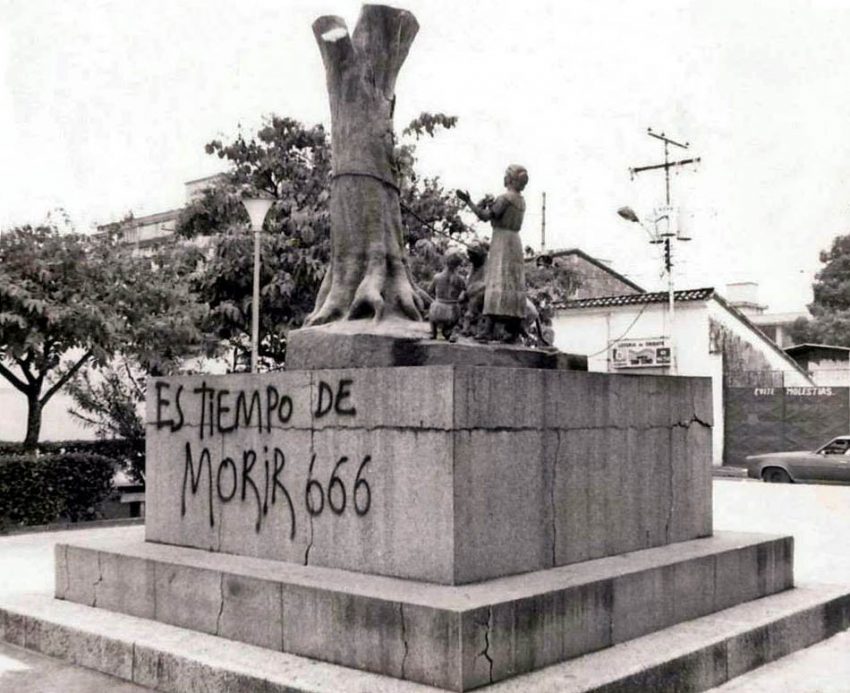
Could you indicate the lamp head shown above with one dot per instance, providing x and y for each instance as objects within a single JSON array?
[
  {"x": 257, "y": 208},
  {"x": 628, "y": 214}
]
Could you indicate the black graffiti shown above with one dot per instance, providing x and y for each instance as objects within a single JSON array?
[
  {"x": 162, "y": 402},
  {"x": 313, "y": 485},
  {"x": 277, "y": 484},
  {"x": 362, "y": 495},
  {"x": 336, "y": 482},
  {"x": 338, "y": 402},
  {"x": 362, "y": 486},
  {"x": 225, "y": 463},
  {"x": 251, "y": 456},
  {"x": 189, "y": 469},
  {"x": 222, "y": 410},
  {"x": 228, "y": 479},
  {"x": 231, "y": 482}
]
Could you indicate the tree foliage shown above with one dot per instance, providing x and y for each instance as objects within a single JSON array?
[
  {"x": 291, "y": 162},
  {"x": 108, "y": 400},
  {"x": 68, "y": 300},
  {"x": 830, "y": 323},
  {"x": 550, "y": 283}
]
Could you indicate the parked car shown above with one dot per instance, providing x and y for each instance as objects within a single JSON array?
[{"x": 830, "y": 462}]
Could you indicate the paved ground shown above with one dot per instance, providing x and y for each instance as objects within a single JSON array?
[
  {"x": 27, "y": 566},
  {"x": 23, "y": 671},
  {"x": 817, "y": 516}
]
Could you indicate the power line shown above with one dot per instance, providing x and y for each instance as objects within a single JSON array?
[{"x": 622, "y": 336}]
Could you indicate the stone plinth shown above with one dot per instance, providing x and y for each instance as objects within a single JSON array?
[
  {"x": 442, "y": 474},
  {"x": 455, "y": 637},
  {"x": 342, "y": 346}
]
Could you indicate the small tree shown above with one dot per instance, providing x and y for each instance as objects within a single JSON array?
[
  {"x": 67, "y": 300},
  {"x": 292, "y": 163},
  {"x": 830, "y": 323},
  {"x": 108, "y": 400},
  {"x": 551, "y": 283}
]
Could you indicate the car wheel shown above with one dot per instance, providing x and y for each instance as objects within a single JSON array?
[{"x": 775, "y": 475}]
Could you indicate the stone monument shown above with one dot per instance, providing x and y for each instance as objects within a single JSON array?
[
  {"x": 504, "y": 278},
  {"x": 451, "y": 516}
]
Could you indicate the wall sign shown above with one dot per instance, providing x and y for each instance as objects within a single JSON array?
[{"x": 641, "y": 353}]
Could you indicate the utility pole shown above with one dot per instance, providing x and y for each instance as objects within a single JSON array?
[
  {"x": 543, "y": 227},
  {"x": 667, "y": 165},
  {"x": 667, "y": 237}
]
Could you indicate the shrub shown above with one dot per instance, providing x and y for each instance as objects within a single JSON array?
[
  {"x": 36, "y": 490},
  {"x": 127, "y": 454}
]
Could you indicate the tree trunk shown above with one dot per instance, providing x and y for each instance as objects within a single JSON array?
[
  {"x": 367, "y": 276},
  {"x": 33, "y": 422}
]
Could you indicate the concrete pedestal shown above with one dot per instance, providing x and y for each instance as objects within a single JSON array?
[
  {"x": 358, "y": 345},
  {"x": 448, "y": 525},
  {"x": 454, "y": 637},
  {"x": 443, "y": 474}
]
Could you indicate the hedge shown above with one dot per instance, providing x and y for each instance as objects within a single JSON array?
[
  {"x": 128, "y": 454},
  {"x": 118, "y": 448},
  {"x": 38, "y": 490}
]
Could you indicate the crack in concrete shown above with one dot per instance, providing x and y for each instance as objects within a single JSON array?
[
  {"x": 693, "y": 420},
  {"x": 552, "y": 499},
  {"x": 403, "y": 640},
  {"x": 282, "y": 619},
  {"x": 98, "y": 581},
  {"x": 221, "y": 604},
  {"x": 310, "y": 543},
  {"x": 671, "y": 485},
  {"x": 714, "y": 586},
  {"x": 133, "y": 662},
  {"x": 67, "y": 572},
  {"x": 311, "y": 453},
  {"x": 155, "y": 580},
  {"x": 463, "y": 429},
  {"x": 486, "y": 651}
]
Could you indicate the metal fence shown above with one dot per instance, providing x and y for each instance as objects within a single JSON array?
[{"x": 762, "y": 414}]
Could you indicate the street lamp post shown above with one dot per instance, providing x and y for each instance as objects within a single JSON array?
[
  {"x": 666, "y": 237},
  {"x": 257, "y": 208}
]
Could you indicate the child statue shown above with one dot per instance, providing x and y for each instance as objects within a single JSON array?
[
  {"x": 448, "y": 289},
  {"x": 504, "y": 284}
]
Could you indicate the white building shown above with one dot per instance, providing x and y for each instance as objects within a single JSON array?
[
  {"x": 776, "y": 326},
  {"x": 710, "y": 338}
]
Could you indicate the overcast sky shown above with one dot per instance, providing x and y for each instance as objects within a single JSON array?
[{"x": 106, "y": 106}]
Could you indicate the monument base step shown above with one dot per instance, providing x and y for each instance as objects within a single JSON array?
[
  {"x": 693, "y": 656},
  {"x": 365, "y": 344},
  {"x": 455, "y": 637}
]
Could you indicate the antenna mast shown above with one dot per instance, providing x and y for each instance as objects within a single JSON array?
[
  {"x": 666, "y": 214},
  {"x": 543, "y": 227}
]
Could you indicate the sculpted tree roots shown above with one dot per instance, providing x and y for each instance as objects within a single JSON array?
[{"x": 367, "y": 276}]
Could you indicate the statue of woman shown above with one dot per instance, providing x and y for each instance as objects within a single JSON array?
[{"x": 504, "y": 292}]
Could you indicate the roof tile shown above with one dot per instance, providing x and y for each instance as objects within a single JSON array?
[{"x": 637, "y": 299}]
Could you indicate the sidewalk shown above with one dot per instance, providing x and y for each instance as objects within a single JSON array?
[
  {"x": 27, "y": 567},
  {"x": 24, "y": 671},
  {"x": 817, "y": 516}
]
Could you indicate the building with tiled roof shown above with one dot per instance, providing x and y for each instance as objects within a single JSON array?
[
  {"x": 631, "y": 334},
  {"x": 596, "y": 278}
]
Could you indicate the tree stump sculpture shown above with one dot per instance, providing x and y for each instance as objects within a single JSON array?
[{"x": 367, "y": 276}]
